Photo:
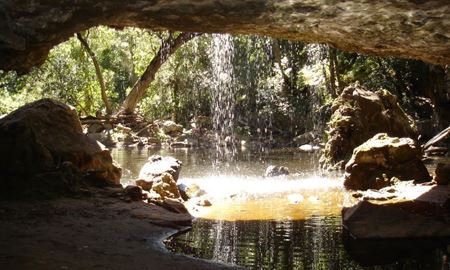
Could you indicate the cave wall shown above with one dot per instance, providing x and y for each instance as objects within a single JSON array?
[{"x": 416, "y": 29}]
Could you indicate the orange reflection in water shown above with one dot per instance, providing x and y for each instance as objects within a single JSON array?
[{"x": 298, "y": 205}]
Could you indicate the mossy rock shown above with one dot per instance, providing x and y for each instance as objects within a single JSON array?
[
  {"x": 359, "y": 114},
  {"x": 376, "y": 162}
]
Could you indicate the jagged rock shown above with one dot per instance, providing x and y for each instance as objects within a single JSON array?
[
  {"x": 145, "y": 185},
  {"x": 133, "y": 192},
  {"x": 38, "y": 137},
  {"x": 166, "y": 186},
  {"x": 171, "y": 128},
  {"x": 359, "y": 115},
  {"x": 272, "y": 171},
  {"x": 377, "y": 161},
  {"x": 157, "y": 165},
  {"x": 30, "y": 28},
  {"x": 442, "y": 174}
]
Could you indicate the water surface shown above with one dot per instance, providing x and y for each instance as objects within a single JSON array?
[{"x": 289, "y": 222}]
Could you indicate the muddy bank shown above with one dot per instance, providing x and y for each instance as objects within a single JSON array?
[{"x": 95, "y": 232}]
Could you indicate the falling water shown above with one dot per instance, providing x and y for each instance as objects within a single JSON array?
[{"x": 223, "y": 91}]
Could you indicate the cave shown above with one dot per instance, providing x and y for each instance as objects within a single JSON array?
[
  {"x": 401, "y": 28},
  {"x": 111, "y": 227}
]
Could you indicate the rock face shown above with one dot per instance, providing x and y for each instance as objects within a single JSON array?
[
  {"x": 166, "y": 186},
  {"x": 43, "y": 138},
  {"x": 383, "y": 159},
  {"x": 359, "y": 115},
  {"x": 30, "y": 28}
]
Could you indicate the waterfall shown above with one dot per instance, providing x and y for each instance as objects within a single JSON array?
[{"x": 223, "y": 91}]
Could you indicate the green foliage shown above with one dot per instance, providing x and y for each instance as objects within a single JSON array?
[{"x": 279, "y": 85}]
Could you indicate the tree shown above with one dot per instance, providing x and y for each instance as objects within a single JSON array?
[
  {"x": 168, "y": 47},
  {"x": 98, "y": 72}
]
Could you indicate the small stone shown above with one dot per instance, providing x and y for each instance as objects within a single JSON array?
[
  {"x": 133, "y": 192},
  {"x": 272, "y": 171}
]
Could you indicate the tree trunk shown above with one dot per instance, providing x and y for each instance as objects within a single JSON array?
[
  {"x": 168, "y": 47},
  {"x": 98, "y": 72}
]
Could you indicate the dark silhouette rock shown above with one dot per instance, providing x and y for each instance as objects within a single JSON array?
[
  {"x": 383, "y": 159},
  {"x": 133, "y": 192},
  {"x": 358, "y": 115},
  {"x": 40, "y": 139},
  {"x": 272, "y": 171},
  {"x": 442, "y": 174}
]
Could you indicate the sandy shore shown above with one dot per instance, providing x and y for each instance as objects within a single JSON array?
[{"x": 93, "y": 232}]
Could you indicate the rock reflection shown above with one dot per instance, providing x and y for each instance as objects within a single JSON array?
[{"x": 314, "y": 243}]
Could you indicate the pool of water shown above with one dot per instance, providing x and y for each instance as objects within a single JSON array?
[{"x": 291, "y": 222}]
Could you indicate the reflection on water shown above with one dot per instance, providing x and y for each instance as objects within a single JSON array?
[
  {"x": 314, "y": 243},
  {"x": 289, "y": 222}
]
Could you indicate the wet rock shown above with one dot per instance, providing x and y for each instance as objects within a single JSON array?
[
  {"x": 42, "y": 135},
  {"x": 175, "y": 206},
  {"x": 190, "y": 138},
  {"x": 358, "y": 115},
  {"x": 308, "y": 148},
  {"x": 157, "y": 165},
  {"x": 144, "y": 184},
  {"x": 191, "y": 191},
  {"x": 305, "y": 138},
  {"x": 377, "y": 161},
  {"x": 367, "y": 220},
  {"x": 171, "y": 128},
  {"x": 166, "y": 186},
  {"x": 133, "y": 192},
  {"x": 272, "y": 171},
  {"x": 442, "y": 174},
  {"x": 180, "y": 145}
]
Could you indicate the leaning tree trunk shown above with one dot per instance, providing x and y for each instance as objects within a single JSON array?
[
  {"x": 140, "y": 87},
  {"x": 98, "y": 72}
]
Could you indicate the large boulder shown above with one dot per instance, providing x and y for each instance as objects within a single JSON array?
[
  {"x": 38, "y": 138},
  {"x": 159, "y": 176},
  {"x": 375, "y": 163},
  {"x": 157, "y": 165},
  {"x": 358, "y": 115}
]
